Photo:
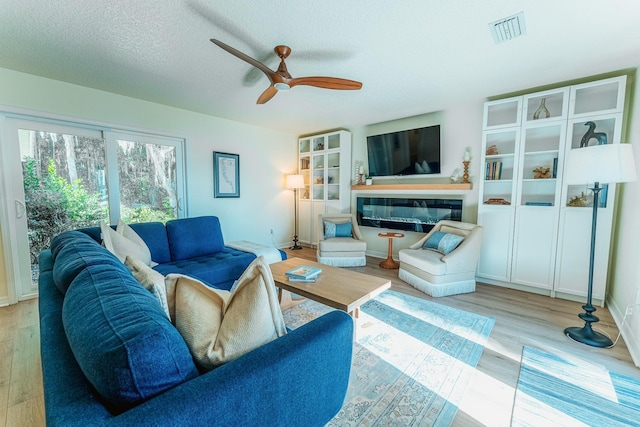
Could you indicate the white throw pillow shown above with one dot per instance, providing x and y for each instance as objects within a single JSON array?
[
  {"x": 124, "y": 241},
  {"x": 219, "y": 326},
  {"x": 150, "y": 279}
]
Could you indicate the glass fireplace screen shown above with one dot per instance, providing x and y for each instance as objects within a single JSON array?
[{"x": 407, "y": 214}]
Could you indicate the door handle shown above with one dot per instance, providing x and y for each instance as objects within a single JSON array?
[{"x": 20, "y": 209}]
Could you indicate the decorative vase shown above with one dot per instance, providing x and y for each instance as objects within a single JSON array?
[{"x": 542, "y": 110}]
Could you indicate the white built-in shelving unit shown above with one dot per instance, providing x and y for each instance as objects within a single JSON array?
[{"x": 535, "y": 237}]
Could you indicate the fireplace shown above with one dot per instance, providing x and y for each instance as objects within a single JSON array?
[{"x": 406, "y": 214}]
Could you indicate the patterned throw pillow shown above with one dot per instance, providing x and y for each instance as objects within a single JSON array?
[
  {"x": 332, "y": 229},
  {"x": 443, "y": 242}
]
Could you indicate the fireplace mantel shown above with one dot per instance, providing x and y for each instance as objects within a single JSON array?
[{"x": 404, "y": 187}]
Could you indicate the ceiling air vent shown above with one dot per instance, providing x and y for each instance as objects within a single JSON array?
[{"x": 509, "y": 28}]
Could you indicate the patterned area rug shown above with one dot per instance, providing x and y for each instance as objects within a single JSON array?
[
  {"x": 412, "y": 360},
  {"x": 564, "y": 390}
]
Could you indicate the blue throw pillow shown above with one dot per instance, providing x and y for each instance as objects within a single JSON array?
[
  {"x": 332, "y": 229},
  {"x": 443, "y": 242}
]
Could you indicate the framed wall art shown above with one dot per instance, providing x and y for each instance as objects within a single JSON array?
[{"x": 226, "y": 175}]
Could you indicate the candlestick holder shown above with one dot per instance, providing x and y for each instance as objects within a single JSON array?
[{"x": 465, "y": 175}]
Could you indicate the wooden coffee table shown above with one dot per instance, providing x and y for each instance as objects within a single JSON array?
[{"x": 336, "y": 287}]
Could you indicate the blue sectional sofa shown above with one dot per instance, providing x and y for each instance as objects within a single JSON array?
[
  {"x": 111, "y": 356},
  {"x": 192, "y": 246}
]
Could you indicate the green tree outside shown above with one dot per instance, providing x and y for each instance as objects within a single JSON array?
[{"x": 55, "y": 205}]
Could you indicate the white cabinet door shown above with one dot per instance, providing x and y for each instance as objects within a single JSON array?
[
  {"x": 574, "y": 250},
  {"x": 495, "y": 255},
  {"x": 535, "y": 246},
  {"x": 304, "y": 221}
]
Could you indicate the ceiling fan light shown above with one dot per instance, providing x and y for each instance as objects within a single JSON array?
[{"x": 282, "y": 86}]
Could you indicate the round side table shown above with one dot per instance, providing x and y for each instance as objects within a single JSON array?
[{"x": 389, "y": 262}]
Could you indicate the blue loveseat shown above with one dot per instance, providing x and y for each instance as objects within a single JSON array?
[{"x": 110, "y": 355}]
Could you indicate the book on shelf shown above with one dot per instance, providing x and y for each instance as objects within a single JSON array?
[
  {"x": 538, "y": 204},
  {"x": 303, "y": 272},
  {"x": 493, "y": 171},
  {"x": 554, "y": 172}
]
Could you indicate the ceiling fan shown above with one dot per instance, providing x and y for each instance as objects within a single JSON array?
[{"x": 282, "y": 80}]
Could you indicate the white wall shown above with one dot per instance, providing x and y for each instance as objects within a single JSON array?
[
  {"x": 461, "y": 127},
  {"x": 625, "y": 268},
  {"x": 265, "y": 155}
]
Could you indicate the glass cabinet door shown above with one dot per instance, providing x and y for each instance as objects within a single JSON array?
[
  {"x": 502, "y": 113},
  {"x": 318, "y": 176},
  {"x": 304, "y": 146},
  {"x": 319, "y": 143},
  {"x": 333, "y": 175},
  {"x": 546, "y": 106},
  {"x": 540, "y": 159},
  {"x": 600, "y": 129},
  {"x": 500, "y": 151},
  {"x": 304, "y": 168},
  {"x": 601, "y": 97},
  {"x": 333, "y": 141}
]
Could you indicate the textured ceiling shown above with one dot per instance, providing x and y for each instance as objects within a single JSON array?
[{"x": 413, "y": 56}]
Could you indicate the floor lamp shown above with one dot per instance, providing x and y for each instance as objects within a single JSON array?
[
  {"x": 609, "y": 163},
  {"x": 294, "y": 182}
]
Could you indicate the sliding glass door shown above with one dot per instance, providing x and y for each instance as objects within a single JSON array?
[{"x": 59, "y": 177}]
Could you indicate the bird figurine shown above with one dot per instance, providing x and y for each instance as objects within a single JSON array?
[{"x": 601, "y": 137}]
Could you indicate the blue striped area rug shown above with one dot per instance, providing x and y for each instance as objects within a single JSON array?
[
  {"x": 412, "y": 360},
  {"x": 564, "y": 390}
]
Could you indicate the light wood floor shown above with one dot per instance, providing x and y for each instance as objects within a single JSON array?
[
  {"x": 521, "y": 319},
  {"x": 21, "y": 399}
]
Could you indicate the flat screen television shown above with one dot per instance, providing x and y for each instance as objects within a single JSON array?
[{"x": 406, "y": 152}]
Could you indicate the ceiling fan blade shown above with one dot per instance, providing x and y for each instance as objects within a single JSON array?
[
  {"x": 326, "y": 83},
  {"x": 267, "y": 95},
  {"x": 268, "y": 71}
]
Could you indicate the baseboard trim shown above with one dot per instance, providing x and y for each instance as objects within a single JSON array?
[
  {"x": 632, "y": 341},
  {"x": 4, "y": 301},
  {"x": 376, "y": 254}
]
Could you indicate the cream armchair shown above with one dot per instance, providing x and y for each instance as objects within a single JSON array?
[
  {"x": 340, "y": 243},
  {"x": 437, "y": 274}
]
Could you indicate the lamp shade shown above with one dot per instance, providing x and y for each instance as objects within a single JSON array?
[
  {"x": 608, "y": 163},
  {"x": 294, "y": 181}
]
